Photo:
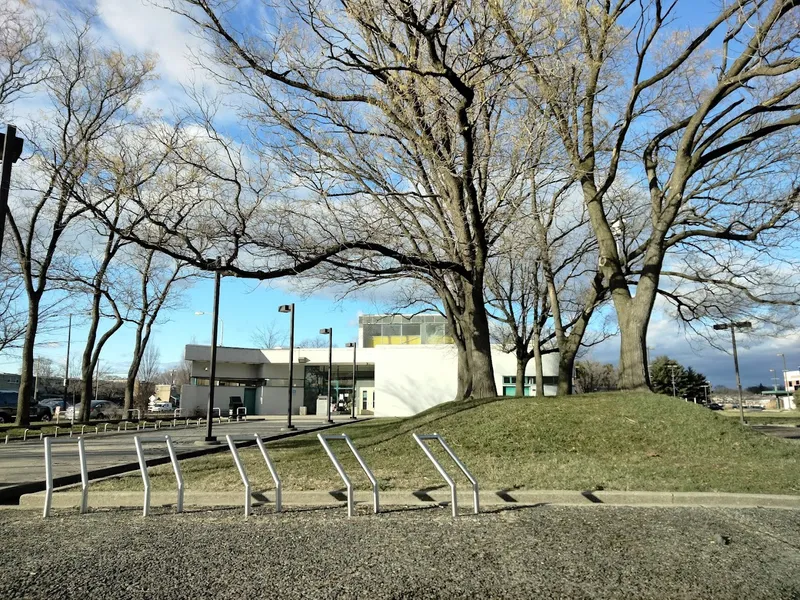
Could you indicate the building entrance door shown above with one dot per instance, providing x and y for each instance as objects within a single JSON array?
[{"x": 250, "y": 400}]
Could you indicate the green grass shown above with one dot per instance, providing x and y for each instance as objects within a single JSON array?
[
  {"x": 786, "y": 417},
  {"x": 617, "y": 441}
]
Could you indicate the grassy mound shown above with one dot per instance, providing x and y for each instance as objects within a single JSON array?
[{"x": 612, "y": 441}]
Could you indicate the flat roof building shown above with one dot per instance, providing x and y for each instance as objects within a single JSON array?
[{"x": 404, "y": 365}]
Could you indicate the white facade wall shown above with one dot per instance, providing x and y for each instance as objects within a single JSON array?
[
  {"x": 194, "y": 399},
  {"x": 408, "y": 379}
]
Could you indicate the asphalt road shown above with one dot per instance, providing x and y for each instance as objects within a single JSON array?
[
  {"x": 536, "y": 552},
  {"x": 23, "y": 462}
]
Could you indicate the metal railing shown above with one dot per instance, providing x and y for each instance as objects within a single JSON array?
[
  {"x": 145, "y": 477},
  {"x": 323, "y": 439},
  {"x": 178, "y": 476},
  {"x": 454, "y": 501}
]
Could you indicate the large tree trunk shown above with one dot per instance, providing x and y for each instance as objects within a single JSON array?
[
  {"x": 133, "y": 370},
  {"x": 26, "y": 381},
  {"x": 566, "y": 368},
  {"x": 522, "y": 362},
  {"x": 464, "y": 385},
  {"x": 479, "y": 343},
  {"x": 632, "y": 350}
]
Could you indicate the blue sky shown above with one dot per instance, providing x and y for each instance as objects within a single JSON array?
[{"x": 136, "y": 25}]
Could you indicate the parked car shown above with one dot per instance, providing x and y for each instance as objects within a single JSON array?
[
  {"x": 54, "y": 403},
  {"x": 99, "y": 409},
  {"x": 715, "y": 406},
  {"x": 8, "y": 408},
  {"x": 162, "y": 407}
]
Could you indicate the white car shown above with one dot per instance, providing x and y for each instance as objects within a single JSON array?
[{"x": 162, "y": 407}]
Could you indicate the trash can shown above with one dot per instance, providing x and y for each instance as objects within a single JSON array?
[{"x": 303, "y": 411}]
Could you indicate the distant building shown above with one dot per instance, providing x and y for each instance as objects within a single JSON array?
[
  {"x": 404, "y": 365},
  {"x": 792, "y": 380}
]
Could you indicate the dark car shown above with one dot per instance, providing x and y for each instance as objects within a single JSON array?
[
  {"x": 8, "y": 408},
  {"x": 715, "y": 406}
]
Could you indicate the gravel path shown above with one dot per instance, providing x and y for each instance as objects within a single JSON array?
[{"x": 536, "y": 552}]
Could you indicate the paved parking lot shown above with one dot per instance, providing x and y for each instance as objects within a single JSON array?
[
  {"x": 22, "y": 462},
  {"x": 533, "y": 552}
]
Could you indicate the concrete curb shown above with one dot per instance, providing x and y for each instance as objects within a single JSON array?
[{"x": 494, "y": 498}]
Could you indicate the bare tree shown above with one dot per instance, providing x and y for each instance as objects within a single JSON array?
[
  {"x": 159, "y": 282},
  {"x": 709, "y": 115},
  {"x": 270, "y": 335},
  {"x": 150, "y": 367},
  {"x": 314, "y": 342},
  {"x": 90, "y": 91},
  {"x": 22, "y": 62}
]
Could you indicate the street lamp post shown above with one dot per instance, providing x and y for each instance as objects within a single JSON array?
[
  {"x": 329, "y": 332},
  {"x": 11, "y": 148},
  {"x": 732, "y": 327},
  {"x": 289, "y": 308},
  {"x": 705, "y": 390},
  {"x": 353, "y": 345},
  {"x": 672, "y": 373},
  {"x": 221, "y": 327},
  {"x": 785, "y": 385},
  {"x": 212, "y": 376},
  {"x": 66, "y": 371}
]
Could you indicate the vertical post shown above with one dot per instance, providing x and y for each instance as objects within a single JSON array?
[
  {"x": 36, "y": 380},
  {"x": 329, "y": 331},
  {"x": 66, "y": 372},
  {"x": 145, "y": 477},
  {"x": 84, "y": 476},
  {"x": 738, "y": 380},
  {"x": 48, "y": 475},
  {"x": 213, "y": 369},
  {"x": 355, "y": 399},
  {"x": 178, "y": 476},
  {"x": 12, "y": 147},
  {"x": 291, "y": 367},
  {"x": 97, "y": 379}
]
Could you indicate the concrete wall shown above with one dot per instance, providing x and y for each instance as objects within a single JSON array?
[{"x": 195, "y": 397}]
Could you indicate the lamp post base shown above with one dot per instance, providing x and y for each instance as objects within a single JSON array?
[
  {"x": 288, "y": 428},
  {"x": 353, "y": 417},
  {"x": 207, "y": 441}
]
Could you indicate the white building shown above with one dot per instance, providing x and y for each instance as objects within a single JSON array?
[
  {"x": 792, "y": 380},
  {"x": 404, "y": 365}
]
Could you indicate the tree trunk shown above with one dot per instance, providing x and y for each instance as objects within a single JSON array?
[
  {"x": 464, "y": 385},
  {"x": 537, "y": 361},
  {"x": 479, "y": 343},
  {"x": 26, "y": 381},
  {"x": 566, "y": 367},
  {"x": 632, "y": 352},
  {"x": 522, "y": 362}
]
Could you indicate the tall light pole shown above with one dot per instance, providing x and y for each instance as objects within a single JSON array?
[
  {"x": 289, "y": 308},
  {"x": 212, "y": 376},
  {"x": 221, "y": 328},
  {"x": 672, "y": 373},
  {"x": 705, "y": 389},
  {"x": 10, "y": 151},
  {"x": 329, "y": 332},
  {"x": 785, "y": 385},
  {"x": 66, "y": 371},
  {"x": 732, "y": 327},
  {"x": 353, "y": 345}
]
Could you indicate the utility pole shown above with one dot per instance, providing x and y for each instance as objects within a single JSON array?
[{"x": 732, "y": 327}]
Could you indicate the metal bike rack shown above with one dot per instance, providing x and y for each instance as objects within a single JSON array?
[
  {"x": 241, "y": 411},
  {"x": 48, "y": 474},
  {"x": 242, "y": 474},
  {"x": 454, "y": 502},
  {"x": 145, "y": 476},
  {"x": 323, "y": 439},
  {"x": 178, "y": 476},
  {"x": 136, "y": 410},
  {"x": 219, "y": 414},
  {"x": 272, "y": 472}
]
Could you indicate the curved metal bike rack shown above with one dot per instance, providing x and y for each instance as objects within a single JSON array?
[
  {"x": 145, "y": 477},
  {"x": 323, "y": 439},
  {"x": 454, "y": 502},
  {"x": 48, "y": 474},
  {"x": 242, "y": 474},
  {"x": 177, "y": 469},
  {"x": 272, "y": 471}
]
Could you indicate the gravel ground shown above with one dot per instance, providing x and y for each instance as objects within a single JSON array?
[{"x": 535, "y": 552}]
